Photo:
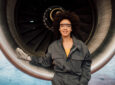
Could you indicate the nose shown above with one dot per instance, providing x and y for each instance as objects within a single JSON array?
[{"x": 65, "y": 27}]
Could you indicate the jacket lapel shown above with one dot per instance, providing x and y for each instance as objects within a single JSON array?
[
  {"x": 76, "y": 45},
  {"x": 60, "y": 43}
]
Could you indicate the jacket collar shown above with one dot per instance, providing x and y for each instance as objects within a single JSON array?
[{"x": 76, "y": 42}]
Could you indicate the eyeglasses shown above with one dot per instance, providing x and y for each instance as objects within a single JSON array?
[{"x": 67, "y": 25}]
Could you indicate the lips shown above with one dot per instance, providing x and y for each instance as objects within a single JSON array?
[{"x": 65, "y": 31}]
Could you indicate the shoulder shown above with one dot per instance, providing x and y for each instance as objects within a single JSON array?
[
  {"x": 84, "y": 47},
  {"x": 79, "y": 42},
  {"x": 83, "y": 44},
  {"x": 52, "y": 44}
]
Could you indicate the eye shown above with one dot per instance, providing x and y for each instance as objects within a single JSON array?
[
  {"x": 61, "y": 25},
  {"x": 67, "y": 25}
]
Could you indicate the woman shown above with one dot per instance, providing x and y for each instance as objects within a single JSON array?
[{"x": 69, "y": 55}]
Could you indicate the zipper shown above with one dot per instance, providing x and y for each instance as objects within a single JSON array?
[{"x": 71, "y": 51}]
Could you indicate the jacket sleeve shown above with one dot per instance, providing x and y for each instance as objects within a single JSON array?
[
  {"x": 86, "y": 70},
  {"x": 45, "y": 61}
]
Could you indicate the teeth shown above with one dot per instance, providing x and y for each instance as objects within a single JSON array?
[{"x": 65, "y": 32}]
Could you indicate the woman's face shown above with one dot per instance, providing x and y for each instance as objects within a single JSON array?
[{"x": 65, "y": 28}]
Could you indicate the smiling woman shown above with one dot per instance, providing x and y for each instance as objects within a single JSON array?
[
  {"x": 64, "y": 62},
  {"x": 27, "y": 25}
]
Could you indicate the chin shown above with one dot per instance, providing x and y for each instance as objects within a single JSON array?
[{"x": 65, "y": 35}]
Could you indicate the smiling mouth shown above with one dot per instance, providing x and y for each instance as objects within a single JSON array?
[{"x": 65, "y": 31}]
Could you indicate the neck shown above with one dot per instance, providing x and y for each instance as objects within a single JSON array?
[{"x": 66, "y": 39}]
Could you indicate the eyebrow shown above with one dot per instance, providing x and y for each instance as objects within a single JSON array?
[{"x": 65, "y": 24}]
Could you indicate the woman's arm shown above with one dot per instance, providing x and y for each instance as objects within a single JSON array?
[
  {"x": 45, "y": 61},
  {"x": 86, "y": 70}
]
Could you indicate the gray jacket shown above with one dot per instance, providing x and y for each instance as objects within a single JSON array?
[{"x": 75, "y": 67}]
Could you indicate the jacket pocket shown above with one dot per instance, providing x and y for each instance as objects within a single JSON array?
[
  {"x": 76, "y": 62},
  {"x": 58, "y": 60},
  {"x": 57, "y": 56},
  {"x": 77, "y": 56}
]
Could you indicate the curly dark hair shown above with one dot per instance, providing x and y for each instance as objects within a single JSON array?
[{"x": 72, "y": 17}]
